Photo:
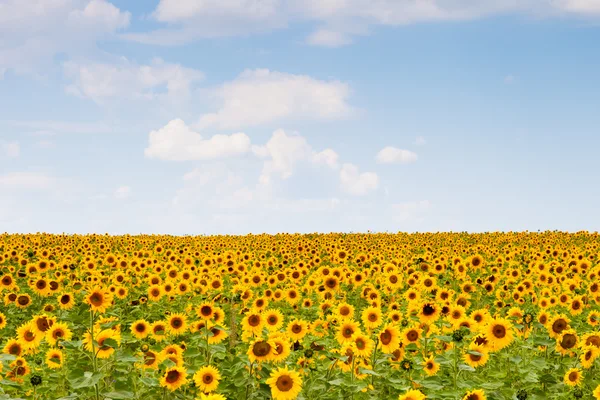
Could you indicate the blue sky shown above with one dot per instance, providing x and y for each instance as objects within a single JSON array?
[{"x": 238, "y": 116}]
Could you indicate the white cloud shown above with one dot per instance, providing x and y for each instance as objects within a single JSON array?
[
  {"x": 327, "y": 157},
  {"x": 410, "y": 210},
  {"x": 356, "y": 183},
  {"x": 26, "y": 180},
  {"x": 122, "y": 192},
  {"x": 34, "y": 31},
  {"x": 177, "y": 142},
  {"x": 51, "y": 128},
  {"x": 420, "y": 141},
  {"x": 328, "y": 38},
  {"x": 127, "y": 80},
  {"x": 392, "y": 155},
  {"x": 283, "y": 152},
  {"x": 188, "y": 20},
  {"x": 10, "y": 149},
  {"x": 261, "y": 96}
]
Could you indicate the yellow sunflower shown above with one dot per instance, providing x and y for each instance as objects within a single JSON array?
[
  {"x": 572, "y": 377},
  {"x": 430, "y": 366},
  {"x": 412, "y": 395},
  {"x": 207, "y": 379},
  {"x": 285, "y": 384},
  {"x": 389, "y": 338},
  {"x": 54, "y": 358},
  {"x": 499, "y": 333},
  {"x": 174, "y": 378},
  {"x": 477, "y": 394},
  {"x": 140, "y": 328}
]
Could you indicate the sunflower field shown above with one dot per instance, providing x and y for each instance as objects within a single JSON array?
[{"x": 289, "y": 316}]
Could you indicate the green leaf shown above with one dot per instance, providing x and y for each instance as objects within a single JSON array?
[
  {"x": 465, "y": 367},
  {"x": 336, "y": 382},
  {"x": 119, "y": 395},
  {"x": 368, "y": 372},
  {"x": 88, "y": 379},
  {"x": 110, "y": 343}
]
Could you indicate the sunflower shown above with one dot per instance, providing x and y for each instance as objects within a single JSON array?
[
  {"x": 273, "y": 320},
  {"x": 13, "y": 347},
  {"x": 205, "y": 311},
  {"x": 297, "y": 329},
  {"x": 429, "y": 312},
  {"x": 557, "y": 324},
  {"x": 104, "y": 350},
  {"x": 477, "y": 394},
  {"x": 99, "y": 300},
  {"x": 347, "y": 330},
  {"x": 28, "y": 336},
  {"x": 54, "y": 358},
  {"x": 177, "y": 324},
  {"x": 345, "y": 311},
  {"x": 261, "y": 350},
  {"x": 285, "y": 384},
  {"x": 253, "y": 323},
  {"x": 412, "y": 335},
  {"x": 588, "y": 356},
  {"x": 597, "y": 393},
  {"x": 389, "y": 338},
  {"x": 140, "y": 329},
  {"x": 567, "y": 342},
  {"x": 174, "y": 378},
  {"x": 282, "y": 347},
  {"x": 207, "y": 379},
  {"x": 59, "y": 331},
  {"x": 371, "y": 317},
  {"x": 499, "y": 333},
  {"x": 412, "y": 394},
  {"x": 572, "y": 377},
  {"x": 2, "y": 321},
  {"x": 159, "y": 331},
  {"x": 66, "y": 301},
  {"x": 212, "y": 396},
  {"x": 593, "y": 318},
  {"x": 476, "y": 355},
  {"x": 362, "y": 345},
  {"x": 23, "y": 300},
  {"x": 430, "y": 366},
  {"x": 150, "y": 360}
]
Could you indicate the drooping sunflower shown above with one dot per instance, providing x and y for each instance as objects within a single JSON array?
[
  {"x": 412, "y": 394},
  {"x": 430, "y": 366},
  {"x": 573, "y": 377},
  {"x": 285, "y": 384},
  {"x": 499, "y": 333},
  {"x": 174, "y": 378},
  {"x": 150, "y": 360},
  {"x": 54, "y": 358},
  {"x": 207, "y": 379},
  {"x": 477, "y": 394},
  {"x": 140, "y": 328},
  {"x": 389, "y": 338},
  {"x": 177, "y": 324}
]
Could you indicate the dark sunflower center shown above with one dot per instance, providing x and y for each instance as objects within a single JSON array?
[
  {"x": 254, "y": 320},
  {"x": 499, "y": 331},
  {"x": 206, "y": 310},
  {"x": 261, "y": 349},
  {"x": 385, "y": 337},
  {"x": 284, "y": 383},
  {"x": 172, "y": 376},
  {"x": 428, "y": 310}
]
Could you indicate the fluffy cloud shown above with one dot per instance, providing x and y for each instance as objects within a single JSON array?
[
  {"x": 10, "y": 149},
  {"x": 261, "y": 96},
  {"x": 127, "y": 80},
  {"x": 34, "y": 31},
  {"x": 392, "y": 155},
  {"x": 282, "y": 152},
  {"x": 177, "y": 142},
  {"x": 356, "y": 183}
]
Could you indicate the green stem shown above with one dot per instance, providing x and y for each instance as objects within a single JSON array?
[
  {"x": 94, "y": 361},
  {"x": 248, "y": 386},
  {"x": 373, "y": 359}
]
